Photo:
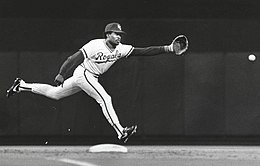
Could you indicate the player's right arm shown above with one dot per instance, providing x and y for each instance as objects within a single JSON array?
[{"x": 70, "y": 63}]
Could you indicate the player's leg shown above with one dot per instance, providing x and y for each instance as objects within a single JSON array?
[
  {"x": 92, "y": 87},
  {"x": 69, "y": 87}
]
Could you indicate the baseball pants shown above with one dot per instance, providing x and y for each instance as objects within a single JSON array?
[{"x": 81, "y": 80}]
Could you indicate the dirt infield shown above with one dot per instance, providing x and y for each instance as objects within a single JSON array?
[{"x": 136, "y": 155}]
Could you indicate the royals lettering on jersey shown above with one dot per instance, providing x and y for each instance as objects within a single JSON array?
[
  {"x": 103, "y": 58},
  {"x": 99, "y": 58}
]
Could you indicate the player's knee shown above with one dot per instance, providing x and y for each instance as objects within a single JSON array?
[
  {"x": 105, "y": 99},
  {"x": 108, "y": 99},
  {"x": 53, "y": 95}
]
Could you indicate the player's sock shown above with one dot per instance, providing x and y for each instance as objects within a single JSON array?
[
  {"x": 119, "y": 130},
  {"x": 24, "y": 86}
]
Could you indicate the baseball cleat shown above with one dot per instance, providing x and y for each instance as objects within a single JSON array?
[
  {"x": 14, "y": 88},
  {"x": 127, "y": 132}
]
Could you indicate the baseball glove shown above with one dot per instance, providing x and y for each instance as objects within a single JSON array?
[{"x": 179, "y": 44}]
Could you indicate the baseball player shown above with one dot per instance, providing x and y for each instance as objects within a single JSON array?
[{"x": 91, "y": 61}]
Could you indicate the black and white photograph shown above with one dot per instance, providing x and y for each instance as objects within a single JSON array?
[{"x": 130, "y": 83}]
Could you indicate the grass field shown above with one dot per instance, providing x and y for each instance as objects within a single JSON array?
[{"x": 136, "y": 156}]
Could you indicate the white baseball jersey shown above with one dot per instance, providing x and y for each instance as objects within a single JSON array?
[{"x": 99, "y": 57}]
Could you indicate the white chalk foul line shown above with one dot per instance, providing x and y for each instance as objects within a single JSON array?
[{"x": 75, "y": 162}]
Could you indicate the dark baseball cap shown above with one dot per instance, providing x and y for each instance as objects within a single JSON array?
[{"x": 114, "y": 27}]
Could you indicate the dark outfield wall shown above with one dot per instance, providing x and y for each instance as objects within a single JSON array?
[{"x": 212, "y": 92}]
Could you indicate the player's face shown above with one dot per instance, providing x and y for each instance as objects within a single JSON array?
[{"x": 114, "y": 38}]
